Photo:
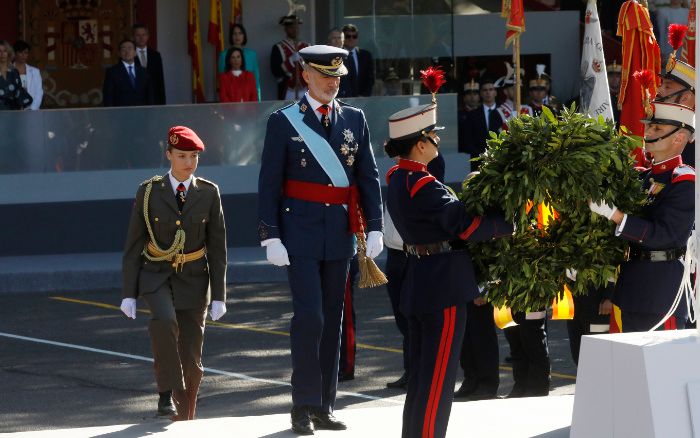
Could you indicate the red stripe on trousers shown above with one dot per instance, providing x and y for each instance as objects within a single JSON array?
[
  {"x": 439, "y": 372},
  {"x": 348, "y": 329},
  {"x": 670, "y": 324}
]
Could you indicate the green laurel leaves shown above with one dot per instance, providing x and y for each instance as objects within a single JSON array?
[{"x": 562, "y": 161}]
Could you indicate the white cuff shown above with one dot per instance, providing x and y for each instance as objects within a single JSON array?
[
  {"x": 269, "y": 241},
  {"x": 619, "y": 228}
]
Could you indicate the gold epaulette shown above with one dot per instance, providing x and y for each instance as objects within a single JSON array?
[{"x": 156, "y": 178}]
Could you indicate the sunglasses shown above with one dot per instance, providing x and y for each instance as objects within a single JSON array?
[{"x": 350, "y": 36}]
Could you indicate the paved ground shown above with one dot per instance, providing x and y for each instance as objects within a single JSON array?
[{"x": 67, "y": 385}]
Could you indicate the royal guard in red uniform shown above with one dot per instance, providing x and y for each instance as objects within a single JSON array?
[{"x": 284, "y": 61}]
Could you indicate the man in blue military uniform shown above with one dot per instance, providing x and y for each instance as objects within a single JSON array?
[
  {"x": 649, "y": 279},
  {"x": 318, "y": 171},
  {"x": 439, "y": 277}
]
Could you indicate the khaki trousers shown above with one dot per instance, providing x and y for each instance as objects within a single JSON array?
[{"x": 176, "y": 340}]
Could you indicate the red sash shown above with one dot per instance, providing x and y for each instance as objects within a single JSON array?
[{"x": 324, "y": 194}]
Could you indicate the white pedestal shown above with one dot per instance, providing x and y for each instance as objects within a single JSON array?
[{"x": 638, "y": 385}]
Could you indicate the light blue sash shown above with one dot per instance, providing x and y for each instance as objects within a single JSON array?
[{"x": 319, "y": 146}]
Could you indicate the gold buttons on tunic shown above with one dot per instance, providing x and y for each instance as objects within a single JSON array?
[
  {"x": 177, "y": 222},
  {"x": 286, "y": 209},
  {"x": 155, "y": 219}
]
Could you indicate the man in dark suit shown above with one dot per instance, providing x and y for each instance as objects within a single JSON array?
[
  {"x": 316, "y": 163},
  {"x": 127, "y": 84},
  {"x": 360, "y": 78},
  {"x": 482, "y": 120},
  {"x": 151, "y": 60}
]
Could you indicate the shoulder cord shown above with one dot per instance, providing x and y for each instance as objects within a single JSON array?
[
  {"x": 687, "y": 287},
  {"x": 178, "y": 245}
]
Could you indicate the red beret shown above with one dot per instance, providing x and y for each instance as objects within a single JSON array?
[{"x": 184, "y": 139}]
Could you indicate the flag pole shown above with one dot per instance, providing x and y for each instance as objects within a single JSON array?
[{"x": 516, "y": 56}]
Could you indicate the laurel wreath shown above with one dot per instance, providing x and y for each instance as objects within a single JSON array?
[{"x": 561, "y": 161}]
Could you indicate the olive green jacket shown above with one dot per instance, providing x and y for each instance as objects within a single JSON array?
[{"x": 202, "y": 219}]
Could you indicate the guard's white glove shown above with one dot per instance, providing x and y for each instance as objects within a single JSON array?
[
  {"x": 218, "y": 309},
  {"x": 277, "y": 253},
  {"x": 128, "y": 306},
  {"x": 375, "y": 243},
  {"x": 294, "y": 58},
  {"x": 571, "y": 274},
  {"x": 603, "y": 209}
]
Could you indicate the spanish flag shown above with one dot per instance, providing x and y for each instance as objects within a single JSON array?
[
  {"x": 216, "y": 26},
  {"x": 688, "y": 50},
  {"x": 640, "y": 51},
  {"x": 236, "y": 13},
  {"x": 194, "y": 48},
  {"x": 514, "y": 13}
]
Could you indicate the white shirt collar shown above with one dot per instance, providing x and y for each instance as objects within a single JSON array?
[
  {"x": 315, "y": 104},
  {"x": 127, "y": 65},
  {"x": 487, "y": 107},
  {"x": 174, "y": 183}
]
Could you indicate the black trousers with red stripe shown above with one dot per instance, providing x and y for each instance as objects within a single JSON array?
[
  {"x": 348, "y": 339},
  {"x": 435, "y": 340}
]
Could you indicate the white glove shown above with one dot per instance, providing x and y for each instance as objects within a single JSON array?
[
  {"x": 375, "y": 243},
  {"x": 277, "y": 253},
  {"x": 218, "y": 309},
  {"x": 294, "y": 58},
  {"x": 571, "y": 274},
  {"x": 602, "y": 209},
  {"x": 128, "y": 306}
]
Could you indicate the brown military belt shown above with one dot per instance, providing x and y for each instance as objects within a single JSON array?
[
  {"x": 665, "y": 255},
  {"x": 434, "y": 248},
  {"x": 178, "y": 259}
]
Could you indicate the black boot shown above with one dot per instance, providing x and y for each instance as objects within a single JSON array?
[
  {"x": 165, "y": 404},
  {"x": 301, "y": 422}
]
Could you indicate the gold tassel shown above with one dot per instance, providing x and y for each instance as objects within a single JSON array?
[{"x": 370, "y": 274}]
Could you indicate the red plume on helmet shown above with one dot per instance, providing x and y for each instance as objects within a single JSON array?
[
  {"x": 433, "y": 79},
  {"x": 676, "y": 35},
  {"x": 646, "y": 79}
]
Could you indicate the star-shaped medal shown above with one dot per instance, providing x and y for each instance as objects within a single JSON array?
[
  {"x": 344, "y": 149},
  {"x": 350, "y": 160},
  {"x": 348, "y": 136}
]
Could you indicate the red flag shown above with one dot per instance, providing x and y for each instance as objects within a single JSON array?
[
  {"x": 194, "y": 48},
  {"x": 640, "y": 51},
  {"x": 514, "y": 13},
  {"x": 215, "y": 35},
  {"x": 236, "y": 13},
  {"x": 688, "y": 51}
]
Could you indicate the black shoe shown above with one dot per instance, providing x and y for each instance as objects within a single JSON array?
[
  {"x": 402, "y": 383},
  {"x": 301, "y": 422},
  {"x": 166, "y": 408},
  {"x": 326, "y": 420},
  {"x": 480, "y": 395},
  {"x": 342, "y": 377}
]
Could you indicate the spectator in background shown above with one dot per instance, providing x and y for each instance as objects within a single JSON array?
[
  {"x": 674, "y": 13},
  {"x": 360, "y": 78},
  {"x": 284, "y": 61},
  {"x": 392, "y": 83},
  {"x": 151, "y": 60},
  {"x": 470, "y": 102},
  {"x": 12, "y": 95},
  {"x": 482, "y": 120},
  {"x": 30, "y": 76},
  {"x": 237, "y": 84},
  {"x": 336, "y": 38},
  {"x": 127, "y": 84},
  {"x": 238, "y": 37}
]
